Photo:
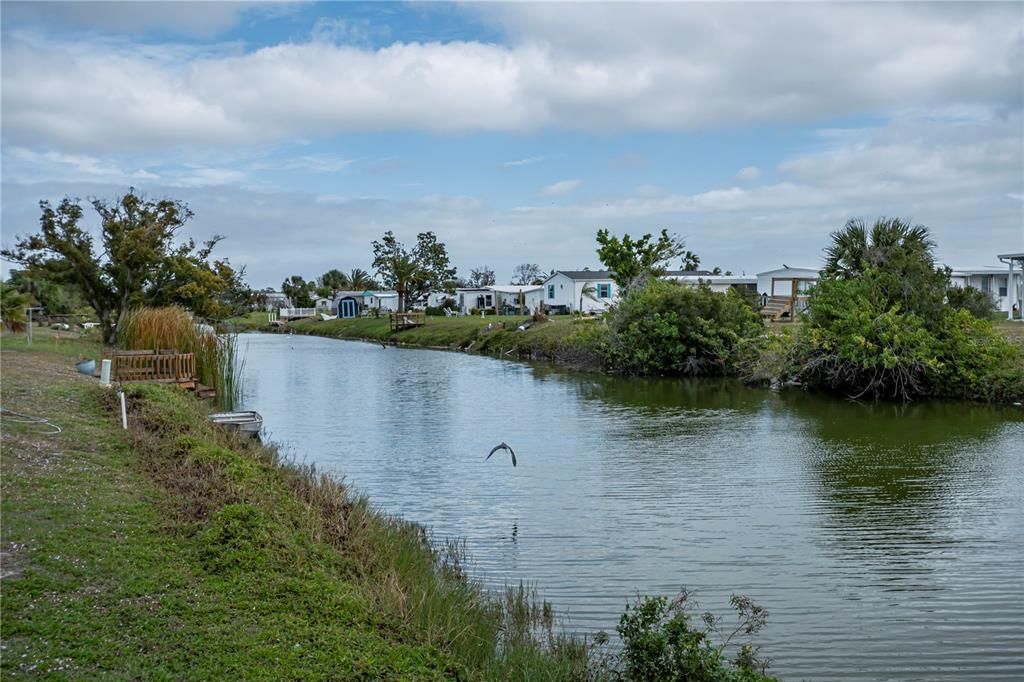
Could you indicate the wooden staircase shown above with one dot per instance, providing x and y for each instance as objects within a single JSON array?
[{"x": 778, "y": 308}]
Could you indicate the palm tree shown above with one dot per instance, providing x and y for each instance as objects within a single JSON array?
[
  {"x": 898, "y": 258},
  {"x": 889, "y": 244},
  {"x": 404, "y": 270},
  {"x": 360, "y": 280},
  {"x": 333, "y": 281},
  {"x": 12, "y": 307},
  {"x": 588, "y": 291}
]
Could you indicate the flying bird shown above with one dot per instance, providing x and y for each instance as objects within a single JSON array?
[{"x": 501, "y": 446}]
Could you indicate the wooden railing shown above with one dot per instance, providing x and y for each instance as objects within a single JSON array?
[
  {"x": 416, "y": 318},
  {"x": 163, "y": 366}
]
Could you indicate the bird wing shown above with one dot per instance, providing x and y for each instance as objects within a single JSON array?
[
  {"x": 513, "y": 456},
  {"x": 493, "y": 450}
]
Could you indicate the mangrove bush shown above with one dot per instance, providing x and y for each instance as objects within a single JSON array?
[
  {"x": 667, "y": 328},
  {"x": 881, "y": 324}
]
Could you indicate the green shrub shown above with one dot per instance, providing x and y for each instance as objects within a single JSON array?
[
  {"x": 667, "y": 328},
  {"x": 861, "y": 344},
  {"x": 975, "y": 301},
  {"x": 660, "y": 641}
]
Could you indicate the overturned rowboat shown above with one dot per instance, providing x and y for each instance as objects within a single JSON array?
[{"x": 247, "y": 423}]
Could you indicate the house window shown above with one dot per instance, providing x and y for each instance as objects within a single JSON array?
[
  {"x": 604, "y": 290},
  {"x": 490, "y": 301},
  {"x": 551, "y": 291},
  {"x": 1002, "y": 291},
  {"x": 986, "y": 283}
]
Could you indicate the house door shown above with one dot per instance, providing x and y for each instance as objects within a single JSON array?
[{"x": 348, "y": 308}]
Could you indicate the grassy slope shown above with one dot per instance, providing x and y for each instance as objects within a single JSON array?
[
  {"x": 563, "y": 339},
  {"x": 174, "y": 551},
  {"x": 257, "y": 319}
]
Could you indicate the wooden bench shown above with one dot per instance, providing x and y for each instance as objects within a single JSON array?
[
  {"x": 408, "y": 320},
  {"x": 159, "y": 366}
]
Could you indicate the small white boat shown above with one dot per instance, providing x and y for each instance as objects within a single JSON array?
[{"x": 245, "y": 422}]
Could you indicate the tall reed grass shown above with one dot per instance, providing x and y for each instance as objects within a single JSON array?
[{"x": 172, "y": 327}]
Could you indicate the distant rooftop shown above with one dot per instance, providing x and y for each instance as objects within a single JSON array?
[{"x": 586, "y": 274}]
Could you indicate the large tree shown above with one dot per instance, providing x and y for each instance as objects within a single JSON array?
[
  {"x": 482, "y": 276},
  {"x": 412, "y": 272},
  {"x": 298, "y": 291},
  {"x": 57, "y": 299},
  {"x": 361, "y": 280},
  {"x": 331, "y": 282},
  {"x": 629, "y": 258},
  {"x": 136, "y": 251},
  {"x": 210, "y": 288},
  {"x": 527, "y": 273},
  {"x": 898, "y": 255}
]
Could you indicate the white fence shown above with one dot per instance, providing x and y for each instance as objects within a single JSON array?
[{"x": 297, "y": 312}]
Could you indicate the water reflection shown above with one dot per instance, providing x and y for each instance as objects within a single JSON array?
[{"x": 885, "y": 542}]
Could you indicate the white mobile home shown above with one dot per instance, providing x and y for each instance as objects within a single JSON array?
[
  {"x": 273, "y": 300},
  {"x": 784, "y": 291},
  {"x": 993, "y": 280},
  {"x": 1015, "y": 284},
  {"x": 509, "y": 299},
  {"x": 383, "y": 301},
  {"x": 570, "y": 291},
  {"x": 469, "y": 299},
  {"x": 718, "y": 283},
  {"x": 322, "y": 304}
]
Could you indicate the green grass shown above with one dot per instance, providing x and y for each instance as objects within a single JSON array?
[
  {"x": 564, "y": 339},
  {"x": 75, "y": 344},
  {"x": 174, "y": 551},
  {"x": 257, "y": 319}
]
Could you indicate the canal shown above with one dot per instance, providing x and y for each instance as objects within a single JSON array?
[{"x": 887, "y": 542}]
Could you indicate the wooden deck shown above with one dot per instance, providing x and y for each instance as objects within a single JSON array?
[{"x": 408, "y": 320}]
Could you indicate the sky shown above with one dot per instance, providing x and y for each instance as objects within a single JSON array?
[{"x": 303, "y": 131}]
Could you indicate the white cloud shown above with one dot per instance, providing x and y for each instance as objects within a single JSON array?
[
  {"x": 313, "y": 163},
  {"x": 38, "y": 165},
  {"x": 748, "y": 174},
  {"x": 649, "y": 191},
  {"x": 561, "y": 187},
  {"x": 587, "y": 67},
  {"x": 525, "y": 162}
]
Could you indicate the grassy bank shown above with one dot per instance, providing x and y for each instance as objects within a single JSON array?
[
  {"x": 569, "y": 341},
  {"x": 173, "y": 550}
]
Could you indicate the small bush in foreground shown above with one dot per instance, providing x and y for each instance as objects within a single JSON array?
[{"x": 661, "y": 641}]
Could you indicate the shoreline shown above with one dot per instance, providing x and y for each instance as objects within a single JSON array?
[
  {"x": 179, "y": 549},
  {"x": 561, "y": 341},
  {"x": 567, "y": 342},
  {"x": 253, "y": 561}
]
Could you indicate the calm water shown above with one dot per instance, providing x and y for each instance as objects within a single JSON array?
[{"x": 886, "y": 542}]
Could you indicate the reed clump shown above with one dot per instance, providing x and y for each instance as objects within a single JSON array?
[{"x": 173, "y": 328}]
